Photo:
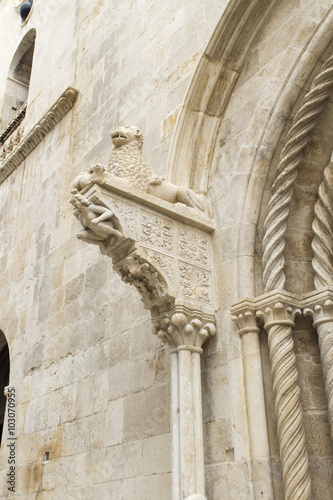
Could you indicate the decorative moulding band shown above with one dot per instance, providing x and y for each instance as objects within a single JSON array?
[
  {"x": 14, "y": 123},
  {"x": 48, "y": 121}
]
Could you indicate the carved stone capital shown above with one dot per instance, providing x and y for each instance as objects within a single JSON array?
[
  {"x": 183, "y": 328},
  {"x": 243, "y": 312},
  {"x": 278, "y": 308},
  {"x": 319, "y": 305}
]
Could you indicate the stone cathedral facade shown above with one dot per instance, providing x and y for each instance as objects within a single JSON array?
[{"x": 166, "y": 257}]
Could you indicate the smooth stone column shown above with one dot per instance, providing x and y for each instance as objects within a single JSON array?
[
  {"x": 186, "y": 334},
  {"x": 244, "y": 315}
]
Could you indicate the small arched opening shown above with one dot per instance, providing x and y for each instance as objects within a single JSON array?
[
  {"x": 18, "y": 79},
  {"x": 4, "y": 378}
]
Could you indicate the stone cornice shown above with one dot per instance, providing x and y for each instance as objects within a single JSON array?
[{"x": 30, "y": 141}]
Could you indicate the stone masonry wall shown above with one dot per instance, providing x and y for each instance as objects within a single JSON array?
[{"x": 92, "y": 381}]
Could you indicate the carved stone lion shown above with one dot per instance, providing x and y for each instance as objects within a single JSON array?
[
  {"x": 127, "y": 163},
  {"x": 126, "y": 159}
]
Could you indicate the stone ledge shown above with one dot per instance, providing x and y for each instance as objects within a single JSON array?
[
  {"x": 178, "y": 211},
  {"x": 30, "y": 141}
]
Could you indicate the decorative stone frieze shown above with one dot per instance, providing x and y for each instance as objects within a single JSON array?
[
  {"x": 31, "y": 140},
  {"x": 319, "y": 305},
  {"x": 278, "y": 310},
  {"x": 160, "y": 242}
]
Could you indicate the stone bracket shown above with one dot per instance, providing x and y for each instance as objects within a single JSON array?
[{"x": 164, "y": 250}]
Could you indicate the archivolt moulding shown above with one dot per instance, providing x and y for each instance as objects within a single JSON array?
[{"x": 210, "y": 89}]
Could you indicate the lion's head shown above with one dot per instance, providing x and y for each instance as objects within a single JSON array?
[{"x": 129, "y": 135}]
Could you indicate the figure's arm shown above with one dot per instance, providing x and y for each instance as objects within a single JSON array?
[{"x": 105, "y": 216}]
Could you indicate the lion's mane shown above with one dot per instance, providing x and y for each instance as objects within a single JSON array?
[{"x": 127, "y": 163}]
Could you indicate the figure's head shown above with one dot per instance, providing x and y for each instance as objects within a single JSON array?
[
  {"x": 121, "y": 136},
  {"x": 78, "y": 200}
]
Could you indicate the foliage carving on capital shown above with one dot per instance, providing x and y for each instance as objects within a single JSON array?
[
  {"x": 278, "y": 314},
  {"x": 179, "y": 329},
  {"x": 320, "y": 313},
  {"x": 246, "y": 321}
]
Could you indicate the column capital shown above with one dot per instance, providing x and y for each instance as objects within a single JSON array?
[
  {"x": 319, "y": 305},
  {"x": 185, "y": 328},
  {"x": 243, "y": 312},
  {"x": 278, "y": 308}
]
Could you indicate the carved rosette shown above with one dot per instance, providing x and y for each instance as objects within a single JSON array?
[
  {"x": 279, "y": 320},
  {"x": 321, "y": 310}
]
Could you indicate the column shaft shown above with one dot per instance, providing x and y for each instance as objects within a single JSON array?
[
  {"x": 288, "y": 412},
  {"x": 255, "y": 399},
  {"x": 197, "y": 416},
  {"x": 175, "y": 431},
  {"x": 187, "y": 457}
]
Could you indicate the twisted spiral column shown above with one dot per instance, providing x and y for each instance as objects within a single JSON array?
[
  {"x": 320, "y": 308},
  {"x": 282, "y": 189},
  {"x": 278, "y": 319},
  {"x": 320, "y": 302},
  {"x": 322, "y": 243}
]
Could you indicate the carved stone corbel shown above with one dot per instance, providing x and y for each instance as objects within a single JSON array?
[
  {"x": 164, "y": 249},
  {"x": 319, "y": 305},
  {"x": 278, "y": 310}
]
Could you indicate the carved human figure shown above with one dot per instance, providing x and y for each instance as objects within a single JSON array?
[{"x": 95, "y": 219}]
